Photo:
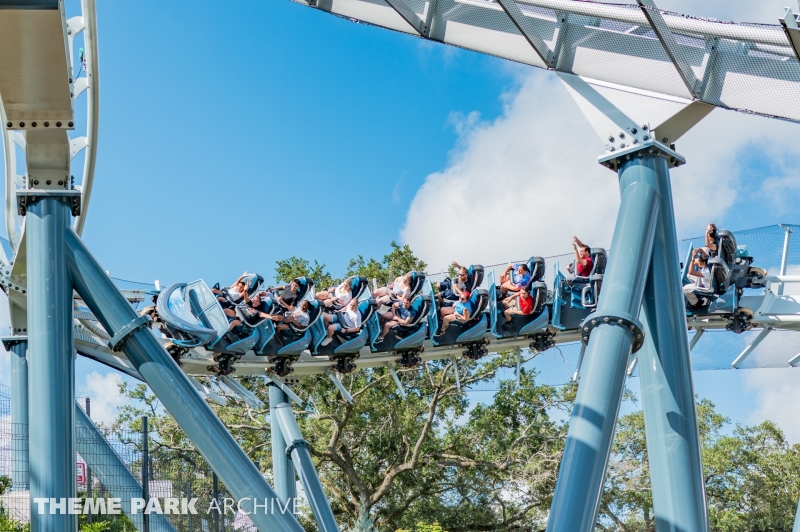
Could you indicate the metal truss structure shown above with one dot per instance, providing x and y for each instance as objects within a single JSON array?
[{"x": 642, "y": 76}]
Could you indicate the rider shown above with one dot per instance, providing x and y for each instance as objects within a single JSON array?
[
  {"x": 514, "y": 278},
  {"x": 401, "y": 314},
  {"x": 235, "y": 290},
  {"x": 702, "y": 278},
  {"x": 710, "y": 249},
  {"x": 523, "y": 307},
  {"x": 347, "y": 320},
  {"x": 287, "y": 295},
  {"x": 399, "y": 288},
  {"x": 583, "y": 258},
  {"x": 299, "y": 316},
  {"x": 461, "y": 311},
  {"x": 449, "y": 291},
  {"x": 337, "y": 297}
]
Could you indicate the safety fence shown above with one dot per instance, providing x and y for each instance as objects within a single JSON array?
[{"x": 154, "y": 486}]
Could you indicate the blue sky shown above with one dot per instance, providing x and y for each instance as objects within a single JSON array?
[{"x": 232, "y": 137}]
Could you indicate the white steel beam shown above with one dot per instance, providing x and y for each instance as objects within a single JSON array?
[
  {"x": 284, "y": 388},
  {"x": 749, "y": 349},
  {"x": 397, "y": 382},
  {"x": 246, "y": 395},
  {"x": 699, "y": 332},
  {"x": 789, "y": 24},
  {"x": 340, "y": 386},
  {"x": 793, "y": 361}
]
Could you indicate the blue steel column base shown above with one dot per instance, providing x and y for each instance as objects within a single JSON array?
[
  {"x": 51, "y": 368},
  {"x": 18, "y": 347}
]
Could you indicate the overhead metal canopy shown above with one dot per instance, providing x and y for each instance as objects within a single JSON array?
[
  {"x": 35, "y": 83},
  {"x": 748, "y": 67}
]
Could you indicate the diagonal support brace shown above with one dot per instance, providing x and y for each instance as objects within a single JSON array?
[
  {"x": 789, "y": 24},
  {"x": 525, "y": 26},
  {"x": 409, "y": 16},
  {"x": 664, "y": 34}
]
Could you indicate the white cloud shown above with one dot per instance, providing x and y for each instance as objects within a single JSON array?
[
  {"x": 103, "y": 390},
  {"x": 777, "y": 399},
  {"x": 519, "y": 185},
  {"x": 526, "y": 182}
]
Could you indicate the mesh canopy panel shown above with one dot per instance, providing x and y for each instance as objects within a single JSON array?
[{"x": 747, "y": 67}]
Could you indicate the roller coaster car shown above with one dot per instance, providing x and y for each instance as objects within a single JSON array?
[
  {"x": 469, "y": 334},
  {"x": 404, "y": 337},
  {"x": 530, "y": 325},
  {"x": 195, "y": 318},
  {"x": 731, "y": 272},
  {"x": 576, "y": 298},
  {"x": 345, "y": 345},
  {"x": 252, "y": 281}
]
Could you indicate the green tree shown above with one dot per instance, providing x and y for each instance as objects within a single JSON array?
[
  {"x": 293, "y": 267},
  {"x": 399, "y": 261},
  {"x": 389, "y": 462}
]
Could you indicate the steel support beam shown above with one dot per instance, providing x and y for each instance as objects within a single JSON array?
[
  {"x": 50, "y": 361},
  {"x": 796, "y": 527},
  {"x": 301, "y": 458},
  {"x": 104, "y": 462},
  {"x": 577, "y": 373},
  {"x": 696, "y": 338},
  {"x": 671, "y": 47},
  {"x": 787, "y": 240},
  {"x": 750, "y": 348},
  {"x": 282, "y": 468},
  {"x": 171, "y": 386},
  {"x": 339, "y": 386},
  {"x": 580, "y": 480},
  {"x": 525, "y": 26},
  {"x": 665, "y": 375},
  {"x": 18, "y": 347}
]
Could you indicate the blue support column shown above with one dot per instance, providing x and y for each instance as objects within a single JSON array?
[
  {"x": 298, "y": 448},
  {"x": 173, "y": 388},
  {"x": 51, "y": 369},
  {"x": 665, "y": 372},
  {"x": 18, "y": 347},
  {"x": 796, "y": 527},
  {"x": 580, "y": 480},
  {"x": 282, "y": 468}
]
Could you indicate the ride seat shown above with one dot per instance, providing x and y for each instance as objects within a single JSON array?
[
  {"x": 420, "y": 306},
  {"x": 538, "y": 291},
  {"x": 726, "y": 247},
  {"x": 358, "y": 283},
  {"x": 474, "y": 276},
  {"x": 252, "y": 281},
  {"x": 478, "y": 301},
  {"x": 366, "y": 308},
  {"x": 417, "y": 281},
  {"x": 314, "y": 313},
  {"x": 304, "y": 286}
]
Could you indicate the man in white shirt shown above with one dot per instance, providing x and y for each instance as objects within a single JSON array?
[
  {"x": 347, "y": 320},
  {"x": 700, "y": 276}
]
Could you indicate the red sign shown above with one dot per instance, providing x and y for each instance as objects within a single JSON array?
[{"x": 81, "y": 473}]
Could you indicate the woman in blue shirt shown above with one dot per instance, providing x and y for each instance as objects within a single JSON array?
[{"x": 462, "y": 311}]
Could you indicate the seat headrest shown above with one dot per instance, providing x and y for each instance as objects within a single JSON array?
[
  {"x": 537, "y": 268},
  {"x": 420, "y": 306},
  {"x": 475, "y": 274},
  {"x": 478, "y": 300},
  {"x": 366, "y": 309}
]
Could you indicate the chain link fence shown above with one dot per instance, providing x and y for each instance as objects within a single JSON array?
[{"x": 125, "y": 465}]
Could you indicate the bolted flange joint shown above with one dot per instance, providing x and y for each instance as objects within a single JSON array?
[
  {"x": 29, "y": 195},
  {"x": 11, "y": 341},
  {"x": 617, "y": 158},
  {"x": 122, "y": 335},
  {"x": 294, "y": 445},
  {"x": 625, "y": 321}
]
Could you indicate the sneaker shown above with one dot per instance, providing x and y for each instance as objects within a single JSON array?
[
  {"x": 326, "y": 341},
  {"x": 379, "y": 339}
]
